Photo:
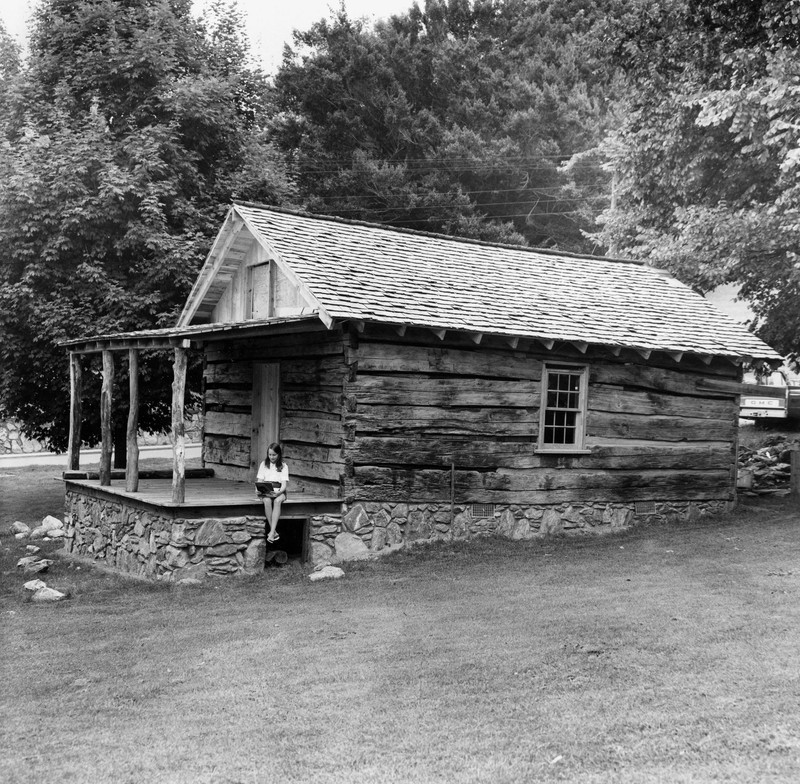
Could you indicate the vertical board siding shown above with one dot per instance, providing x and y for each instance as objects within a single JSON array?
[
  {"x": 312, "y": 374},
  {"x": 414, "y": 410}
]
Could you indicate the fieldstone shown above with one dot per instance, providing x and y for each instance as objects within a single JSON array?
[
  {"x": 381, "y": 519},
  {"x": 28, "y": 559},
  {"x": 151, "y": 565},
  {"x": 394, "y": 533},
  {"x": 356, "y": 518},
  {"x": 176, "y": 557},
  {"x": 189, "y": 581},
  {"x": 37, "y": 533},
  {"x": 222, "y": 561},
  {"x": 326, "y": 573},
  {"x": 551, "y": 522},
  {"x": 325, "y": 530},
  {"x": 534, "y": 513},
  {"x": 256, "y": 527},
  {"x": 50, "y": 523},
  {"x": 34, "y": 585},
  {"x": 138, "y": 527},
  {"x": 176, "y": 535},
  {"x": 618, "y": 517},
  {"x": 320, "y": 553},
  {"x": 573, "y": 517},
  {"x": 48, "y": 595},
  {"x": 37, "y": 567},
  {"x": 240, "y": 537},
  {"x": 460, "y": 525},
  {"x": 56, "y": 533},
  {"x": 350, "y": 547},
  {"x": 222, "y": 569},
  {"x": 21, "y": 536},
  {"x": 222, "y": 550},
  {"x": 32, "y": 548},
  {"x": 513, "y": 528},
  {"x": 99, "y": 543},
  {"x": 401, "y": 511},
  {"x": 19, "y": 528},
  {"x": 254, "y": 556},
  {"x": 378, "y": 539},
  {"x": 419, "y": 526},
  {"x": 210, "y": 533}
]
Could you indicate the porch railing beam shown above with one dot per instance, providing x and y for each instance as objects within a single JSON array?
[
  {"x": 106, "y": 435},
  {"x": 179, "y": 426},
  {"x": 132, "y": 442},
  {"x": 75, "y": 410}
]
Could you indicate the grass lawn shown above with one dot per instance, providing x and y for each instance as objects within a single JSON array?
[{"x": 665, "y": 654}]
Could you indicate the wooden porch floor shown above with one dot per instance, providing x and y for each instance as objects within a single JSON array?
[{"x": 204, "y": 497}]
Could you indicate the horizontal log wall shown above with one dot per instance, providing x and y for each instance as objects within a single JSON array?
[
  {"x": 415, "y": 405},
  {"x": 312, "y": 374}
]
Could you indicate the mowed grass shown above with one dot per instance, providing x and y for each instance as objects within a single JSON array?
[{"x": 665, "y": 654}]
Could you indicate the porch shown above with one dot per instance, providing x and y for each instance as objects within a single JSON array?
[{"x": 217, "y": 530}]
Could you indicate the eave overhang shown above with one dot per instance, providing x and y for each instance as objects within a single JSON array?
[{"x": 192, "y": 336}]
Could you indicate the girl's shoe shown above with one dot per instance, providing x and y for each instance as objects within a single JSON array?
[{"x": 273, "y": 539}]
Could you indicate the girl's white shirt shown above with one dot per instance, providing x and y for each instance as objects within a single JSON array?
[{"x": 268, "y": 473}]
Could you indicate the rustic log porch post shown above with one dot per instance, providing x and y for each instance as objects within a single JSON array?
[
  {"x": 75, "y": 410},
  {"x": 132, "y": 462},
  {"x": 179, "y": 426},
  {"x": 106, "y": 436}
]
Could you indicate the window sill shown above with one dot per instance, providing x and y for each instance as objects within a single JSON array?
[{"x": 566, "y": 450}]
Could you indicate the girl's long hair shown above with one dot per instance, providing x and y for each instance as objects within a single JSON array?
[{"x": 276, "y": 448}]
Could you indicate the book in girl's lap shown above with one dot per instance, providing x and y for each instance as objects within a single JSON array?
[{"x": 271, "y": 481}]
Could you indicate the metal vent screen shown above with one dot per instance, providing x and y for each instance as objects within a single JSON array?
[
  {"x": 483, "y": 510},
  {"x": 644, "y": 507}
]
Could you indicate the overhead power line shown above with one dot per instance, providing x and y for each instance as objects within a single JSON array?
[{"x": 538, "y": 191}]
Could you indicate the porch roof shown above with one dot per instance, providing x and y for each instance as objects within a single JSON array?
[{"x": 191, "y": 336}]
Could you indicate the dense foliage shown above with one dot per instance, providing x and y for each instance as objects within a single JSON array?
[
  {"x": 131, "y": 124},
  {"x": 126, "y": 133},
  {"x": 458, "y": 117},
  {"x": 708, "y": 153}
]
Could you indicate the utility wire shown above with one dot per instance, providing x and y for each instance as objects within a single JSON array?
[
  {"x": 463, "y": 158},
  {"x": 600, "y": 188},
  {"x": 476, "y": 168}
]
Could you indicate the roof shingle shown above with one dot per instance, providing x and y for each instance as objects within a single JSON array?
[{"x": 374, "y": 273}]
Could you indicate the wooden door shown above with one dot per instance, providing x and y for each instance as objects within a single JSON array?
[{"x": 266, "y": 412}]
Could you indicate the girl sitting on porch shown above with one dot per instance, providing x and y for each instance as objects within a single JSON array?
[{"x": 273, "y": 469}]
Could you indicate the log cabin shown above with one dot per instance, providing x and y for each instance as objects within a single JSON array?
[{"x": 423, "y": 387}]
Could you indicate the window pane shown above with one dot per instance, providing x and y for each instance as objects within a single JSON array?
[{"x": 560, "y": 427}]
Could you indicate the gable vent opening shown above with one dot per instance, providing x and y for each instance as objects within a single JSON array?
[{"x": 482, "y": 510}]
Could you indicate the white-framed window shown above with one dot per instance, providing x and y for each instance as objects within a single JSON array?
[{"x": 563, "y": 409}]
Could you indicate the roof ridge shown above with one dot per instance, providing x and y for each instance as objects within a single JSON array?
[{"x": 437, "y": 235}]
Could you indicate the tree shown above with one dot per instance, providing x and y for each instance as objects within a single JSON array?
[
  {"x": 133, "y": 125},
  {"x": 456, "y": 117},
  {"x": 707, "y": 157}
]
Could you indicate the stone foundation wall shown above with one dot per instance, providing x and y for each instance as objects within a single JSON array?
[
  {"x": 150, "y": 545},
  {"x": 377, "y": 528},
  {"x": 12, "y": 441},
  {"x": 147, "y": 544}
]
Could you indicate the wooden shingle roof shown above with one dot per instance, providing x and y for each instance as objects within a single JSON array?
[{"x": 367, "y": 272}]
